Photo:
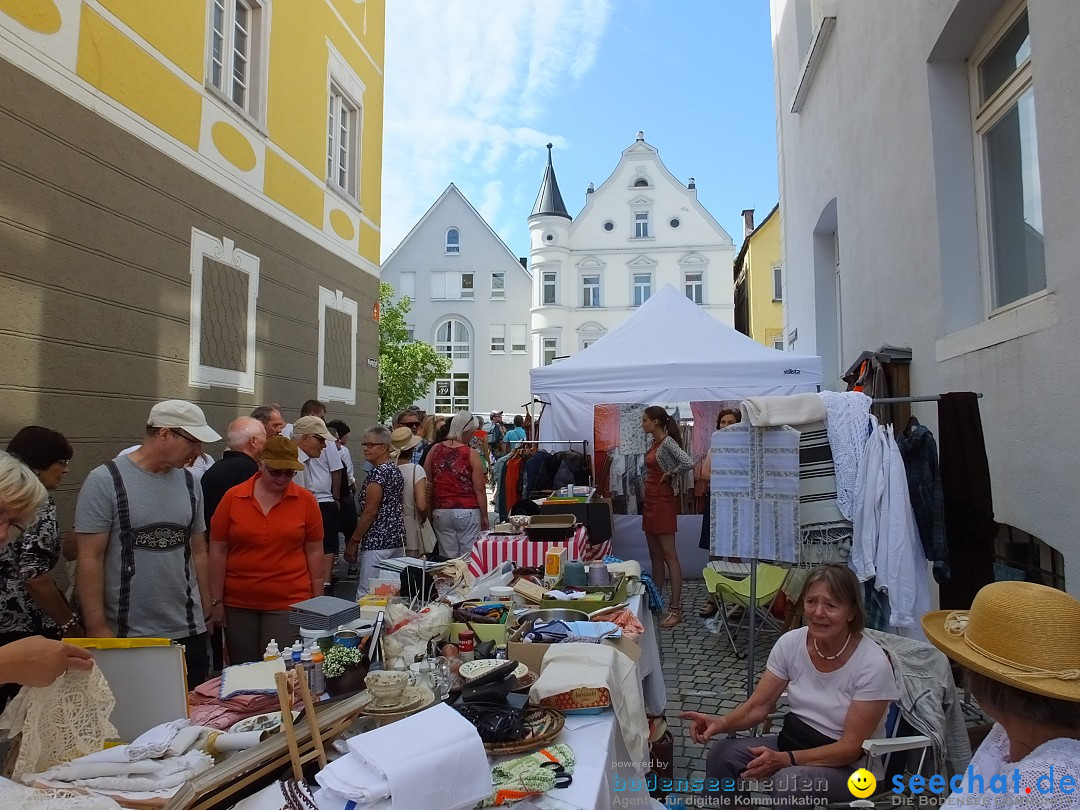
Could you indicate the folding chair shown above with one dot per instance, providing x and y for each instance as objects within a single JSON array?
[{"x": 728, "y": 592}]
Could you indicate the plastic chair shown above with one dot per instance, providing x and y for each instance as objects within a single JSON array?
[{"x": 731, "y": 592}]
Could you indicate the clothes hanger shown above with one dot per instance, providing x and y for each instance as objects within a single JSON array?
[{"x": 912, "y": 422}]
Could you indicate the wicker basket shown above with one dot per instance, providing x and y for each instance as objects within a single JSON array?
[{"x": 544, "y": 726}]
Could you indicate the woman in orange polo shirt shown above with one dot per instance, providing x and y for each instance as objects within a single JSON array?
[{"x": 266, "y": 553}]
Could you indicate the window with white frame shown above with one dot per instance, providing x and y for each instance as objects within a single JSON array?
[
  {"x": 589, "y": 333},
  {"x": 1010, "y": 199},
  {"x": 777, "y": 283},
  {"x": 407, "y": 285},
  {"x": 236, "y": 66},
  {"x": 642, "y": 288},
  {"x": 498, "y": 286},
  {"x": 549, "y": 350},
  {"x": 452, "y": 393},
  {"x": 452, "y": 340},
  {"x": 641, "y": 224},
  {"x": 694, "y": 284},
  {"x": 590, "y": 290},
  {"x": 337, "y": 347},
  {"x": 548, "y": 287},
  {"x": 343, "y": 142},
  {"x": 498, "y": 338},
  {"x": 778, "y": 343},
  {"x": 224, "y": 289},
  {"x": 410, "y": 332},
  {"x": 519, "y": 334},
  {"x": 453, "y": 241},
  {"x": 452, "y": 286}
]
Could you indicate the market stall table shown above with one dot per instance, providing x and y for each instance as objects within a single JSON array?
[{"x": 491, "y": 550}]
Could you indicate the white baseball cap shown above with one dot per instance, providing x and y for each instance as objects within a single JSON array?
[{"x": 182, "y": 415}]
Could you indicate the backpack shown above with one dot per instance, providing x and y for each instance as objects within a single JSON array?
[{"x": 494, "y": 433}]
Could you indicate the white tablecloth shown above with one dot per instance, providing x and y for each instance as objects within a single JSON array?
[
  {"x": 652, "y": 674},
  {"x": 604, "y": 778}
]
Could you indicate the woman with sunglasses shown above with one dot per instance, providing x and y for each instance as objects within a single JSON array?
[
  {"x": 30, "y": 602},
  {"x": 266, "y": 553},
  {"x": 33, "y": 661}
]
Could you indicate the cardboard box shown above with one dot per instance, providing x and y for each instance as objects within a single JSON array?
[
  {"x": 550, "y": 528},
  {"x": 589, "y": 605},
  {"x": 532, "y": 654},
  {"x": 484, "y": 632}
]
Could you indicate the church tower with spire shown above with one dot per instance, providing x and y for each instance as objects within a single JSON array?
[{"x": 549, "y": 252}]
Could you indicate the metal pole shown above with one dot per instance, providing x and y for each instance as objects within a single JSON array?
[{"x": 751, "y": 653}]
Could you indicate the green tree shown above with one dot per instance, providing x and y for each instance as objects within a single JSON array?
[{"x": 407, "y": 368}]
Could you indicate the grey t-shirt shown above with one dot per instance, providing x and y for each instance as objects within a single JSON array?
[{"x": 157, "y": 583}]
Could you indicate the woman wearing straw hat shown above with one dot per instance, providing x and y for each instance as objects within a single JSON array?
[
  {"x": 414, "y": 504},
  {"x": 1020, "y": 645}
]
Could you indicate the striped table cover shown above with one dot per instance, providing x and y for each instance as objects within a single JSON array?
[{"x": 491, "y": 551}]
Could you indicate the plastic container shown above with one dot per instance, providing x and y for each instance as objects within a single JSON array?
[
  {"x": 318, "y": 679},
  {"x": 308, "y": 666},
  {"x": 467, "y": 645},
  {"x": 501, "y": 593},
  {"x": 272, "y": 652}
]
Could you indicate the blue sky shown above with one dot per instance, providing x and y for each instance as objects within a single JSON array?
[{"x": 475, "y": 88}]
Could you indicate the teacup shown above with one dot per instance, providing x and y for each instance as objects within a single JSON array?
[{"x": 387, "y": 685}]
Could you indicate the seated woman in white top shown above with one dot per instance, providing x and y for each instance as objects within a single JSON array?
[
  {"x": 1020, "y": 645},
  {"x": 839, "y": 686}
]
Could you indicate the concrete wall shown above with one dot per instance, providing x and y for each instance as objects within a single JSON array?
[
  {"x": 499, "y": 381},
  {"x": 881, "y": 156}
]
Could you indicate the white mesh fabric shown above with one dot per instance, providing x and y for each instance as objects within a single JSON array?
[
  {"x": 66, "y": 720},
  {"x": 20, "y": 797}
]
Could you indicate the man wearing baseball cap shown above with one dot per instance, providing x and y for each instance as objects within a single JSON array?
[{"x": 141, "y": 536}]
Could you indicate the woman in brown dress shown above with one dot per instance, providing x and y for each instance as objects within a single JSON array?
[{"x": 665, "y": 462}]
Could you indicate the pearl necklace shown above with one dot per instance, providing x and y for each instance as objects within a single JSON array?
[{"x": 832, "y": 657}]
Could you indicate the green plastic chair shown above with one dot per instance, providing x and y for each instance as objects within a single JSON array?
[{"x": 728, "y": 593}]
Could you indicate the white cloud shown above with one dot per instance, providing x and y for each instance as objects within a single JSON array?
[{"x": 467, "y": 82}]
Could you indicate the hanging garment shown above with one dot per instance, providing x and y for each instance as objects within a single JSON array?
[
  {"x": 848, "y": 415},
  {"x": 969, "y": 505},
  {"x": 755, "y": 493},
  {"x": 919, "y": 451},
  {"x": 885, "y": 543},
  {"x": 512, "y": 478},
  {"x": 817, "y": 480}
]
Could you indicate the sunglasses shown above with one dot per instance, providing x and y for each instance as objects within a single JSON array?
[
  {"x": 279, "y": 473},
  {"x": 411, "y": 425},
  {"x": 184, "y": 436}
]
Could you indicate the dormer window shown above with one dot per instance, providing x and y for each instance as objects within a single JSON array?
[{"x": 453, "y": 241}]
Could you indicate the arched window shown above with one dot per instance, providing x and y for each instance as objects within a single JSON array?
[
  {"x": 641, "y": 182},
  {"x": 452, "y": 340},
  {"x": 453, "y": 240}
]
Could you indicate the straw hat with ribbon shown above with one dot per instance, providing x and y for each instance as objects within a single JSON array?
[
  {"x": 404, "y": 439},
  {"x": 1019, "y": 633}
]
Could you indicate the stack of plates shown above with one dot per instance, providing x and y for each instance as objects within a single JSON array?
[{"x": 324, "y": 613}]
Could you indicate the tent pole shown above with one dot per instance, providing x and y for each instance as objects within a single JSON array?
[{"x": 752, "y": 652}]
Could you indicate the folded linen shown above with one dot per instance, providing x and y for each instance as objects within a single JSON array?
[
  {"x": 146, "y": 774},
  {"x": 435, "y": 741},
  {"x": 160, "y": 740},
  {"x": 326, "y": 799},
  {"x": 797, "y": 409},
  {"x": 354, "y": 779}
]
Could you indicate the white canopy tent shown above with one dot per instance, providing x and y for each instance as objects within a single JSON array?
[{"x": 668, "y": 351}]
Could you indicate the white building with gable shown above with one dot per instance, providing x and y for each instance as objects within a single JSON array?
[
  {"x": 641, "y": 229},
  {"x": 470, "y": 300}
]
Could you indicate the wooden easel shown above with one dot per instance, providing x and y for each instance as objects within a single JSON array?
[{"x": 288, "y": 729}]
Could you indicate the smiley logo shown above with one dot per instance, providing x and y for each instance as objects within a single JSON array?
[{"x": 862, "y": 783}]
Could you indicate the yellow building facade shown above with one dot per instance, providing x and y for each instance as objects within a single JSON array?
[
  {"x": 191, "y": 209},
  {"x": 759, "y": 283}
]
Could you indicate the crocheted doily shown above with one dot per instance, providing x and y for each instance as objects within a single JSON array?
[
  {"x": 66, "y": 720},
  {"x": 19, "y": 797}
]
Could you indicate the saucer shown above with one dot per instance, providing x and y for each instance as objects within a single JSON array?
[
  {"x": 411, "y": 698},
  {"x": 471, "y": 670}
]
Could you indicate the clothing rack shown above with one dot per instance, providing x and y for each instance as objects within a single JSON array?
[
  {"x": 901, "y": 400},
  {"x": 584, "y": 450}
]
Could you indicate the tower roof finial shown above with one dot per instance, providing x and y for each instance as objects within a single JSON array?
[{"x": 549, "y": 201}]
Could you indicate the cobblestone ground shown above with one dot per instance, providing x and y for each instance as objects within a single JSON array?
[{"x": 703, "y": 674}]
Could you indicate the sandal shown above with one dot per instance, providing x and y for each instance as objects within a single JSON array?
[
  {"x": 673, "y": 617},
  {"x": 708, "y": 610}
]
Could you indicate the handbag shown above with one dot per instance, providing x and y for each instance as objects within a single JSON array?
[
  {"x": 798, "y": 735},
  {"x": 428, "y": 540}
]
